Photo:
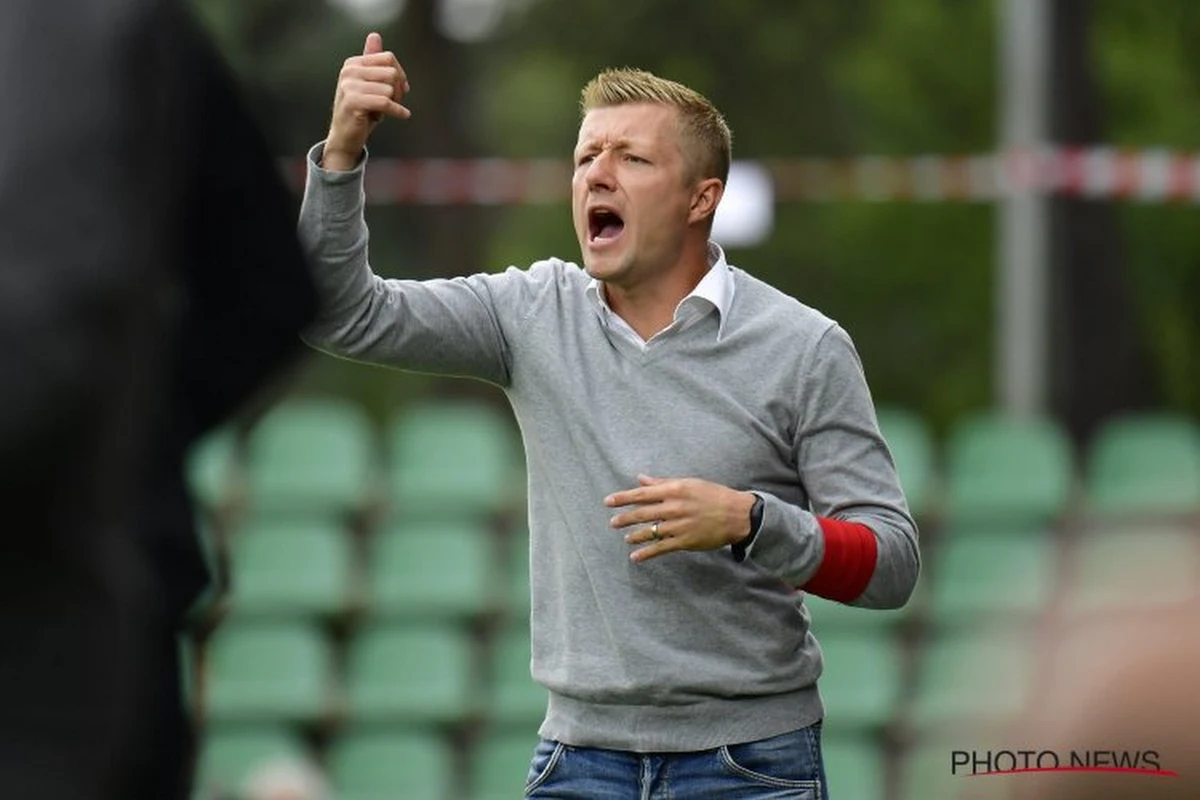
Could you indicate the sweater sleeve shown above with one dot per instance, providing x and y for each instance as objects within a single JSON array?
[
  {"x": 854, "y": 494},
  {"x": 444, "y": 326}
]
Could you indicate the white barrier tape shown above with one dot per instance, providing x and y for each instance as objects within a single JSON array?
[{"x": 1152, "y": 175}]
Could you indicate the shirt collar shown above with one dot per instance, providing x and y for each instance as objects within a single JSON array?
[{"x": 715, "y": 289}]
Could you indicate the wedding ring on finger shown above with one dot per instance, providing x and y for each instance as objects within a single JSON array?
[{"x": 654, "y": 531}]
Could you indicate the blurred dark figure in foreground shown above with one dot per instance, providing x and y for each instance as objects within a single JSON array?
[{"x": 150, "y": 282}]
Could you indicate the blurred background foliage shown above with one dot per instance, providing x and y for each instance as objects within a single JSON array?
[{"x": 912, "y": 282}]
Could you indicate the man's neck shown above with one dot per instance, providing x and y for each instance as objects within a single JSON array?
[{"x": 649, "y": 306}]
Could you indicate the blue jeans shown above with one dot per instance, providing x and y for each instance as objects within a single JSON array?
[{"x": 787, "y": 767}]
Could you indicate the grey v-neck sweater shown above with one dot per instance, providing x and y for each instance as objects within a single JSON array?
[{"x": 690, "y": 650}]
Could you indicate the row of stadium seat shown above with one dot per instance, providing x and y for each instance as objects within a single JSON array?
[
  {"x": 368, "y": 763},
  {"x": 308, "y": 568},
  {"x": 320, "y": 456},
  {"x": 1022, "y": 574},
  {"x": 409, "y": 673},
  {"x": 994, "y": 466},
  {"x": 290, "y": 671},
  {"x": 316, "y": 567}
]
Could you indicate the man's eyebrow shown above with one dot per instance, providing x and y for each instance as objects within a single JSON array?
[{"x": 622, "y": 143}]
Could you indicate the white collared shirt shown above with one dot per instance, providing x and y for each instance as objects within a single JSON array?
[{"x": 714, "y": 292}]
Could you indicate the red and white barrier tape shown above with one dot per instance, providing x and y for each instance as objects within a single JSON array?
[{"x": 1152, "y": 175}]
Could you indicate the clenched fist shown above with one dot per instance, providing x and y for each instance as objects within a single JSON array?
[{"x": 369, "y": 87}]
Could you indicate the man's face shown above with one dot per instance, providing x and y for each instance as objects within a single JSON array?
[{"x": 630, "y": 193}]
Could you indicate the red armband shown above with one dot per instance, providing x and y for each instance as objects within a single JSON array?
[{"x": 849, "y": 562}]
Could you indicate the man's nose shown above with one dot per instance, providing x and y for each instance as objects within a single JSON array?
[{"x": 599, "y": 174}]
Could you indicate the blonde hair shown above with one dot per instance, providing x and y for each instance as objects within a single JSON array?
[{"x": 706, "y": 138}]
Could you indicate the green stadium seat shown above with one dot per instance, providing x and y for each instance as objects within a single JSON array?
[
  {"x": 1134, "y": 567},
  {"x": 831, "y": 616},
  {"x": 854, "y": 767},
  {"x": 437, "y": 568},
  {"x": 454, "y": 459},
  {"x": 229, "y": 756},
  {"x": 411, "y": 673},
  {"x": 211, "y": 467},
  {"x": 860, "y": 684},
  {"x": 911, "y": 444},
  {"x": 500, "y": 764},
  {"x": 388, "y": 764},
  {"x": 1005, "y": 470},
  {"x": 515, "y": 697},
  {"x": 993, "y": 575},
  {"x": 259, "y": 671},
  {"x": 1145, "y": 464},
  {"x": 290, "y": 568},
  {"x": 310, "y": 455},
  {"x": 973, "y": 679}
]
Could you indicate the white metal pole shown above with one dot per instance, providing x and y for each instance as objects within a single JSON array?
[{"x": 1022, "y": 224}]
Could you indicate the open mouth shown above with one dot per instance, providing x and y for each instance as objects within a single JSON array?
[{"x": 604, "y": 225}]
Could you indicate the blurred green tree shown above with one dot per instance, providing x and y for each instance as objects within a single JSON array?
[{"x": 1147, "y": 62}]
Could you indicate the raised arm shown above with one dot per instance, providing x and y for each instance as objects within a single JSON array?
[{"x": 441, "y": 326}]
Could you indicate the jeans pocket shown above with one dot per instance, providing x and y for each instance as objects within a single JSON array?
[
  {"x": 545, "y": 758},
  {"x": 789, "y": 761}
]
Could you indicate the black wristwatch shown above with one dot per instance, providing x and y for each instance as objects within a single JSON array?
[{"x": 756, "y": 515}]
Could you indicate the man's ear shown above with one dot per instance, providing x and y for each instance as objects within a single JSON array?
[{"x": 705, "y": 198}]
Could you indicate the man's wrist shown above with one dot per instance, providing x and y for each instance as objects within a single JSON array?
[
  {"x": 334, "y": 159},
  {"x": 753, "y": 519}
]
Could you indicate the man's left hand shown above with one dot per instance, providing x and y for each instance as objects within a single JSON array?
[{"x": 692, "y": 514}]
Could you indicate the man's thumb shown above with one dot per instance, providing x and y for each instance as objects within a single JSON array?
[{"x": 374, "y": 44}]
